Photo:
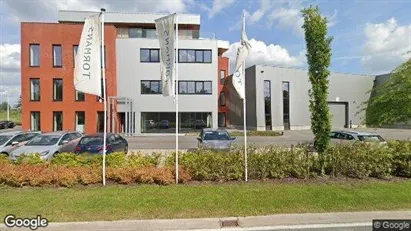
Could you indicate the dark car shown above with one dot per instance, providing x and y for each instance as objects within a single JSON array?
[
  {"x": 164, "y": 124},
  {"x": 7, "y": 124},
  {"x": 94, "y": 144}
]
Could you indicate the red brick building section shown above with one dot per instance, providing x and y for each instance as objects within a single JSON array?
[
  {"x": 223, "y": 64},
  {"x": 66, "y": 35}
]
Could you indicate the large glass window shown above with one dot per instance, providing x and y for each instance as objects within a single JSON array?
[
  {"x": 151, "y": 87},
  {"x": 75, "y": 49},
  {"x": 222, "y": 99},
  {"x": 35, "y": 89},
  {"x": 149, "y": 33},
  {"x": 286, "y": 105},
  {"x": 195, "y": 87},
  {"x": 57, "y": 56},
  {"x": 57, "y": 89},
  {"x": 80, "y": 96},
  {"x": 222, "y": 77},
  {"x": 34, "y": 55},
  {"x": 57, "y": 121},
  {"x": 35, "y": 121},
  {"x": 80, "y": 121},
  {"x": 149, "y": 55},
  {"x": 134, "y": 32},
  {"x": 164, "y": 122},
  {"x": 267, "y": 104},
  {"x": 194, "y": 56}
]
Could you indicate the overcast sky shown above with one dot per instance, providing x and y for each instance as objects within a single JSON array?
[{"x": 370, "y": 36}]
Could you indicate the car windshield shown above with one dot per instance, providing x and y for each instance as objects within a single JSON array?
[
  {"x": 91, "y": 140},
  {"x": 46, "y": 140},
  {"x": 4, "y": 139},
  {"x": 215, "y": 135},
  {"x": 371, "y": 138}
]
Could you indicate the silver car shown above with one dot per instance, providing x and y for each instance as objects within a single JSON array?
[
  {"x": 48, "y": 145},
  {"x": 218, "y": 139},
  {"x": 9, "y": 141}
]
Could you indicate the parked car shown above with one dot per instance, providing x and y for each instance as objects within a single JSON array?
[
  {"x": 94, "y": 144},
  {"x": 150, "y": 124},
  {"x": 164, "y": 124},
  {"x": 10, "y": 141},
  {"x": 7, "y": 124},
  {"x": 49, "y": 145},
  {"x": 218, "y": 139},
  {"x": 352, "y": 136}
]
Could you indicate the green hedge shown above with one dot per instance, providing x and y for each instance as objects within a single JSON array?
[{"x": 355, "y": 160}]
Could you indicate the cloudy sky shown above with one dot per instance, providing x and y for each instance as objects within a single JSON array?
[{"x": 370, "y": 36}]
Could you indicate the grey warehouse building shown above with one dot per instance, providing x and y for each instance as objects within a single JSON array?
[{"x": 277, "y": 99}]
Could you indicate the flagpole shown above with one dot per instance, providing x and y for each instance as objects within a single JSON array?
[
  {"x": 103, "y": 67},
  {"x": 176, "y": 95},
  {"x": 245, "y": 119}
]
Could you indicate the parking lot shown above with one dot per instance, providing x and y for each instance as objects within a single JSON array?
[
  {"x": 289, "y": 138},
  {"x": 164, "y": 142}
]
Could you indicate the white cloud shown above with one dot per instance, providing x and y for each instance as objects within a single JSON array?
[
  {"x": 386, "y": 45},
  {"x": 44, "y": 10},
  {"x": 218, "y": 6},
  {"x": 9, "y": 71},
  {"x": 262, "y": 53},
  {"x": 287, "y": 18}
]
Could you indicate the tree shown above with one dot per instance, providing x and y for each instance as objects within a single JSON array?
[
  {"x": 318, "y": 57},
  {"x": 18, "y": 104},
  {"x": 390, "y": 102},
  {"x": 3, "y": 106}
]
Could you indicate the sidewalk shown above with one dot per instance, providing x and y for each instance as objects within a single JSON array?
[{"x": 325, "y": 221}]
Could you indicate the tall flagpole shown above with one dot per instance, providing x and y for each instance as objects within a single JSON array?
[
  {"x": 176, "y": 95},
  {"x": 103, "y": 67},
  {"x": 245, "y": 118}
]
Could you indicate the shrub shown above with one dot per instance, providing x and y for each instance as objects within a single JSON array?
[
  {"x": 116, "y": 160},
  {"x": 401, "y": 157},
  {"x": 4, "y": 159},
  {"x": 139, "y": 160},
  {"x": 32, "y": 159},
  {"x": 65, "y": 159},
  {"x": 360, "y": 160}
]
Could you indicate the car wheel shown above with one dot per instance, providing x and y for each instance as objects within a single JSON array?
[
  {"x": 126, "y": 150},
  {"x": 55, "y": 154}
]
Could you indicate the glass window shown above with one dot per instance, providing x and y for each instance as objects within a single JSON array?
[
  {"x": 199, "y": 56},
  {"x": 222, "y": 99},
  {"x": 182, "y": 56},
  {"x": 207, "y": 56},
  {"x": 135, "y": 32},
  {"x": 80, "y": 96},
  {"x": 151, "y": 87},
  {"x": 154, "y": 55},
  {"x": 75, "y": 49},
  {"x": 57, "y": 121},
  {"x": 34, "y": 55},
  {"x": 207, "y": 87},
  {"x": 57, "y": 89},
  {"x": 144, "y": 55},
  {"x": 267, "y": 104},
  {"x": 149, "y": 33},
  {"x": 155, "y": 87},
  {"x": 35, "y": 121},
  {"x": 286, "y": 105},
  {"x": 57, "y": 56},
  {"x": 191, "y": 87},
  {"x": 191, "y": 56},
  {"x": 199, "y": 87},
  {"x": 149, "y": 55},
  {"x": 35, "y": 89},
  {"x": 182, "y": 87},
  {"x": 80, "y": 121},
  {"x": 222, "y": 77}
]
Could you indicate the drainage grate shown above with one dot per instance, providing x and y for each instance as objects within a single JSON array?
[{"x": 229, "y": 223}]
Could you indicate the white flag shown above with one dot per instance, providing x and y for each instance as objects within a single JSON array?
[
  {"x": 166, "y": 36},
  {"x": 242, "y": 53},
  {"x": 87, "y": 72}
]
